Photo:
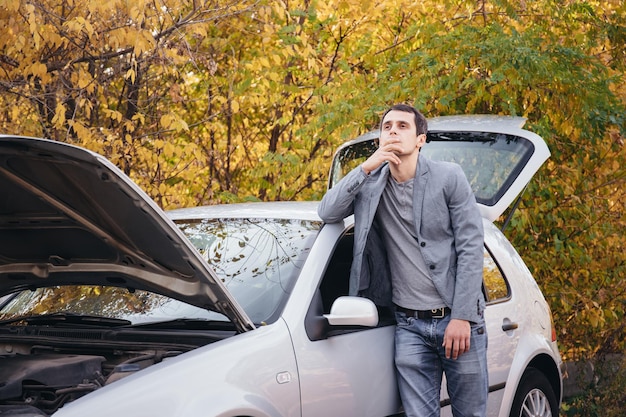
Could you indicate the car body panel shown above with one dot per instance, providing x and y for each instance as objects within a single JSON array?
[
  {"x": 508, "y": 314},
  {"x": 221, "y": 379},
  {"x": 333, "y": 372}
]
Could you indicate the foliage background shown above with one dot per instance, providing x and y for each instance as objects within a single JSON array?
[{"x": 206, "y": 101}]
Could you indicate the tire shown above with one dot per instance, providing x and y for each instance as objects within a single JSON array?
[{"x": 534, "y": 397}]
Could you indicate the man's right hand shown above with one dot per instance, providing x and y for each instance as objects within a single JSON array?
[{"x": 386, "y": 152}]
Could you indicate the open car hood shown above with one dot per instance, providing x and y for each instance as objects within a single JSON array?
[
  {"x": 69, "y": 216},
  {"x": 498, "y": 157}
]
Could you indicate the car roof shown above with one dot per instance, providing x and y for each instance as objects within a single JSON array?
[{"x": 293, "y": 210}]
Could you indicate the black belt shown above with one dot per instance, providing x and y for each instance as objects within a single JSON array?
[{"x": 435, "y": 313}]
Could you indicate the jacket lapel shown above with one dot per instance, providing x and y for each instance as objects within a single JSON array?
[
  {"x": 376, "y": 192},
  {"x": 422, "y": 175}
]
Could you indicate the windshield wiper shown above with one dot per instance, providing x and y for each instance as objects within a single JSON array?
[
  {"x": 189, "y": 324},
  {"x": 67, "y": 318}
]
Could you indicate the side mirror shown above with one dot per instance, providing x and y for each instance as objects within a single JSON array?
[{"x": 352, "y": 311}]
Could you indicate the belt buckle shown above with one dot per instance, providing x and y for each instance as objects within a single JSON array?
[{"x": 438, "y": 313}]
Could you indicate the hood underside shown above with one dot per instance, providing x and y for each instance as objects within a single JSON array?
[{"x": 69, "y": 216}]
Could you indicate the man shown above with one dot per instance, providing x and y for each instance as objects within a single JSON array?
[{"x": 418, "y": 246}]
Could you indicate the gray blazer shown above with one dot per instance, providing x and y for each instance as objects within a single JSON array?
[{"x": 449, "y": 229}]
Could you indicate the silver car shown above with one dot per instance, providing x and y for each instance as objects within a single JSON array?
[{"x": 109, "y": 306}]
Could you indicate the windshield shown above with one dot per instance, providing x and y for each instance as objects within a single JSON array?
[{"x": 257, "y": 259}]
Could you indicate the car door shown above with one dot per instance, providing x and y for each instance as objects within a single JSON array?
[{"x": 349, "y": 371}]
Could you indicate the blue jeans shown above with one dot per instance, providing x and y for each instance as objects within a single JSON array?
[{"x": 420, "y": 362}]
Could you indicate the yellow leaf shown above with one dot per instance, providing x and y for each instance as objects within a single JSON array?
[
  {"x": 136, "y": 14},
  {"x": 131, "y": 74},
  {"x": 140, "y": 117},
  {"x": 113, "y": 115},
  {"x": 169, "y": 149},
  {"x": 82, "y": 132},
  {"x": 143, "y": 42},
  {"x": 180, "y": 124},
  {"x": 59, "y": 116},
  {"x": 39, "y": 69},
  {"x": 84, "y": 79},
  {"x": 129, "y": 126},
  {"x": 11, "y": 6},
  {"x": 166, "y": 121}
]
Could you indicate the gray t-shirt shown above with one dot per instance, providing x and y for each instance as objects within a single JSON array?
[{"x": 411, "y": 284}]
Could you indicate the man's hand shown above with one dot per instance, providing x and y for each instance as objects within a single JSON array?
[
  {"x": 456, "y": 338},
  {"x": 387, "y": 152}
]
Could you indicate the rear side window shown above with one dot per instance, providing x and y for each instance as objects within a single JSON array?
[{"x": 495, "y": 285}]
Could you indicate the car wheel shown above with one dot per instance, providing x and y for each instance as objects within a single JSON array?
[{"x": 534, "y": 396}]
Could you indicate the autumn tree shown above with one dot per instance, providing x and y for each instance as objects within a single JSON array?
[{"x": 107, "y": 75}]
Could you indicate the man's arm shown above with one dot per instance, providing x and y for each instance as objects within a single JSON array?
[
  {"x": 467, "y": 227},
  {"x": 469, "y": 244},
  {"x": 337, "y": 203}
]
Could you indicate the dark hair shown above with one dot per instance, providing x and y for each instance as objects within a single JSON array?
[{"x": 421, "y": 125}]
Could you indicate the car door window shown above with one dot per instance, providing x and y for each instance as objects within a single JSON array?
[
  {"x": 337, "y": 277},
  {"x": 336, "y": 280}
]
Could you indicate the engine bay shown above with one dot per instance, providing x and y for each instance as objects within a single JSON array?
[{"x": 43, "y": 368}]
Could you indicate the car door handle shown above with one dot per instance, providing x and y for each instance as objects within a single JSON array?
[{"x": 509, "y": 325}]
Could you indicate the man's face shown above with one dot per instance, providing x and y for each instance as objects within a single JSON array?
[{"x": 398, "y": 127}]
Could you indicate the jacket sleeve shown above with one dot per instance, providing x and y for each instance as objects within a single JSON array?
[
  {"x": 338, "y": 203},
  {"x": 467, "y": 226}
]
